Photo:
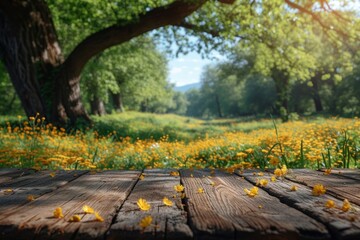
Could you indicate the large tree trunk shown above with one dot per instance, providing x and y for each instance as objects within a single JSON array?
[
  {"x": 315, "y": 94},
  {"x": 117, "y": 102},
  {"x": 30, "y": 51},
  {"x": 97, "y": 106},
  {"x": 282, "y": 94},
  {"x": 32, "y": 56},
  {"x": 218, "y": 106}
]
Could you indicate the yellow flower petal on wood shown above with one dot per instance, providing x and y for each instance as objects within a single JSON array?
[
  {"x": 30, "y": 198},
  {"x": 273, "y": 178},
  {"x": 200, "y": 190},
  {"x": 8, "y": 191},
  {"x": 330, "y": 204},
  {"x": 87, "y": 209},
  {"x": 167, "y": 202},
  {"x": 52, "y": 174},
  {"x": 252, "y": 192},
  {"x": 143, "y": 204},
  {"x": 179, "y": 188},
  {"x": 294, "y": 188},
  {"x": 75, "y": 218},
  {"x": 174, "y": 173},
  {"x": 346, "y": 205},
  {"x": 327, "y": 171},
  {"x": 261, "y": 182},
  {"x": 98, "y": 217},
  {"x": 58, "y": 213},
  {"x": 142, "y": 176},
  {"x": 318, "y": 190},
  {"x": 145, "y": 222}
]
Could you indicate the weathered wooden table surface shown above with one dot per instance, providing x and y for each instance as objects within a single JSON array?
[{"x": 215, "y": 205}]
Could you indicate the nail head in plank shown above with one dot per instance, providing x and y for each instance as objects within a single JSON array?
[
  {"x": 225, "y": 211},
  {"x": 342, "y": 225},
  {"x": 168, "y": 222}
]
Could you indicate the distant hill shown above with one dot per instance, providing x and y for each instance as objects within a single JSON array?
[{"x": 187, "y": 87}]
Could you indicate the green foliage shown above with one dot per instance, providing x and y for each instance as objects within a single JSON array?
[{"x": 10, "y": 103}]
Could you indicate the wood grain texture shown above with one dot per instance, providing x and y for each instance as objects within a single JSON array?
[
  {"x": 168, "y": 222},
  {"x": 104, "y": 191},
  {"x": 6, "y": 174},
  {"x": 342, "y": 225},
  {"x": 36, "y": 184},
  {"x": 224, "y": 211},
  {"x": 337, "y": 185},
  {"x": 349, "y": 173}
]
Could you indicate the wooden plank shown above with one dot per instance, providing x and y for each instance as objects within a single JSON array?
[
  {"x": 103, "y": 191},
  {"x": 336, "y": 185},
  {"x": 168, "y": 222},
  {"x": 6, "y": 174},
  {"x": 225, "y": 211},
  {"x": 342, "y": 225},
  {"x": 350, "y": 173},
  {"x": 14, "y": 193}
]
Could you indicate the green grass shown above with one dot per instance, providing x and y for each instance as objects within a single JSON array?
[{"x": 146, "y": 126}]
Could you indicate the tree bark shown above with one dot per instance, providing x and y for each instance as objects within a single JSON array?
[
  {"x": 32, "y": 56},
  {"x": 97, "y": 106},
  {"x": 30, "y": 51},
  {"x": 282, "y": 94},
  {"x": 315, "y": 93},
  {"x": 117, "y": 102},
  {"x": 218, "y": 106}
]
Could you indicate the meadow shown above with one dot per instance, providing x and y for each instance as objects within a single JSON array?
[{"x": 138, "y": 140}]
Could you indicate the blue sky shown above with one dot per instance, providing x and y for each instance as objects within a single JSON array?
[{"x": 187, "y": 69}]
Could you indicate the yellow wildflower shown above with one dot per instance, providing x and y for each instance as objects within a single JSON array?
[
  {"x": 294, "y": 188},
  {"x": 174, "y": 173},
  {"x": 98, "y": 217},
  {"x": 200, "y": 190},
  {"x": 261, "y": 182},
  {"x": 87, "y": 209},
  {"x": 145, "y": 222},
  {"x": 330, "y": 204},
  {"x": 167, "y": 202},
  {"x": 30, "y": 198},
  {"x": 346, "y": 205},
  {"x": 249, "y": 150},
  {"x": 212, "y": 183},
  {"x": 241, "y": 155},
  {"x": 58, "y": 213},
  {"x": 252, "y": 192},
  {"x": 179, "y": 188},
  {"x": 143, "y": 204},
  {"x": 75, "y": 218},
  {"x": 318, "y": 190},
  {"x": 284, "y": 170}
]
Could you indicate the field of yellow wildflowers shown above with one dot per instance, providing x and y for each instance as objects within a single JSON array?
[{"x": 323, "y": 143}]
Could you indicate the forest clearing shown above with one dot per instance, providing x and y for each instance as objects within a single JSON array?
[
  {"x": 180, "y": 119},
  {"x": 186, "y": 143}
]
